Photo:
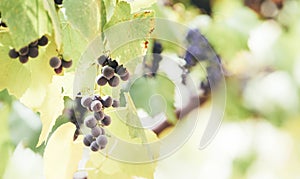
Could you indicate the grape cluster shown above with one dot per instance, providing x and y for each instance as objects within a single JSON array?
[
  {"x": 97, "y": 139},
  {"x": 31, "y": 50},
  {"x": 109, "y": 70},
  {"x": 58, "y": 63}
]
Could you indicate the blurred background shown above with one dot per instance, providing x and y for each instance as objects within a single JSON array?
[{"x": 258, "y": 42}]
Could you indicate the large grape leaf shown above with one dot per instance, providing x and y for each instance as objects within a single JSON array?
[
  {"x": 62, "y": 155},
  {"x": 84, "y": 15},
  {"x": 14, "y": 76},
  {"x": 27, "y": 20},
  {"x": 154, "y": 95}
]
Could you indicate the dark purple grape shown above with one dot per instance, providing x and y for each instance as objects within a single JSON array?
[
  {"x": 102, "y": 60},
  {"x": 67, "y": 64},
  {"x": 34, "y": 43},
  {"x": 55, "y": 62},
  {"x": 107, "y": 101},
  {"x": 24, "y": 51},
  {"x": 33, "y": 52},
  {"x": 90, "y": 121},
  {"x": 59, "y": 70},
  {"x": 96, "y": 131},
  {"x": 58, "y": 2},
  {"x": 115, "y": 103},
  {"x": 13, "y": 53},
  {"x": 96, "y": 106},
  {"x": 125, "y": 77},
  {"x": 113, "y": 63},
  {"x": 87, "y": 140},
  {"x": 101, "y": 80},
  {"x": 99, "y": 115},
  {"x": 94, "y": 146},
  {"x": 114, "y": 81},
  {"x": 43, "y": 41},
  {"x": 157, "y": 47},
  {"x": 101, "y": 140},
  {"x": 23, "y": 59},
  {"x": 120, "y": 70},
  {"x": 86, "y": 101},
  {"x": 2, "y": 24},
  {"x": 106, "y": 121},
  {"x": 108, "y": 72}
]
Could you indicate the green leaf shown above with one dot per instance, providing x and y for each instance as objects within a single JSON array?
[
  {"x": 84, "y": 15},
  {"x": 14, "y": 76},
  {"x": 154, "y": 95},
  {"x": 27, "y": 20},
  {"x": 62, "y": 155}
]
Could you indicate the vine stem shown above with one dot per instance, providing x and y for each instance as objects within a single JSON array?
[{"x": 194, "y": 103}]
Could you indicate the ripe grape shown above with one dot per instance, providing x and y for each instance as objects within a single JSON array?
[
  {"x": 55, "y": 62},
  {"x": 87, "y": 140},
  {"x": 120, "y": 70},
  {"x": 23, "y": 59},
  {"x": 13, "y": 53},
  {"x": 99, "y": 115},
  {"x": 90, "y": 121},
  {"x": 106, "y": 121},
  {"x": 115, "y": 103},
  {"x": 125, "y": 77},
  {"x": 96, "y": 106},
  {"x": 34, "y": 44},
  {"x": 43, "y": 41},
  {"x": 106, "y": 101},
  {"x": 102, "y": 60},
  {"x": 86, "y": 101},
  {"x": 58, "y": 2},
  {"x": 108, "y": 72},
  {"x": 3, "y": 24},
  {"x": 59, "y": 70},
  {"x": 101, "y": 80},
  {"x": 94, "y": 146},
  {"x": 101, "y": 140},
  {"x": 113, "y": 64},
  {"x": 24, "y": 51},
  {"x": 33, "y": 52},
  {"x": 157, "y": 47},
  {"x": 66, "y": 64},
  {"x": 114, "y": 81},
  {"x": 96, "y": 131}
]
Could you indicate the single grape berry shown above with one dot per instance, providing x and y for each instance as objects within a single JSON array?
[
  {"x": 113, "y": 63},
  {"x": 94, "y": 146},
  {"x": 101, "y": 140},
  {"x": 90, "y": 121},
  {"x": 102, "y": 60},
  {"x": 115, "y": 103},
  {"x": 2, "y": 24},
  {"x": 58, "y": 2},
  {"x": 108, "y": 72},
  {"x": 23, "y": 59},
  {"x": 55, "y": 62},
  {"x": 86, "y": 101},
  {"x": 43, "y": 41},
  {"x": 107, "y": 101},
  {"x": 120, "y": 70},
  {"x": 33, "y": 52},
  {"x": 34, "y": 44},
  {"x": 106, "y": 121},
  {"x": 96, "y": 131},
  {"x": 99, "y": 115},
  {"x": 59, "y": 70},
  {"x": 125, "y": 77},
  {"x": 101, "y": 80},
  {"x": 87, "y": 140},
  {"x": 24, "y": 51},
  {"x": 114, "y": 81},
  {"x": 13, "y": 53},
  {"x": 96, "y": 106},
  {"x": 67, "y": 64},
  {"x": 157, "y": 47}
]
